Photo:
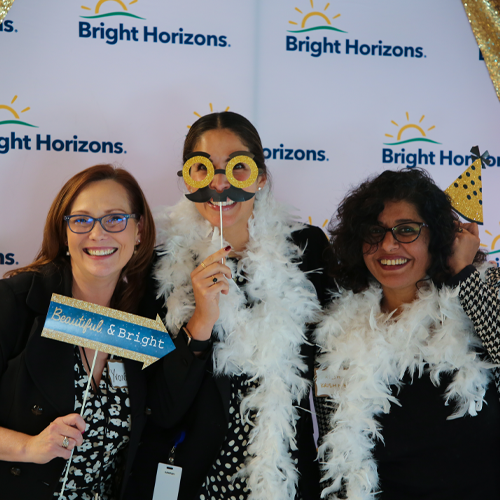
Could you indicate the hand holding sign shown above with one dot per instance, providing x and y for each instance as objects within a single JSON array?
[{"x": 107, "y": 330}]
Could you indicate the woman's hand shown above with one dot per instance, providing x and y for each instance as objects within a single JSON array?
[
  {"x": 464, "y": 247},
  {"x": 48, "y": 444},
  {"x": 209, "y": 281}
]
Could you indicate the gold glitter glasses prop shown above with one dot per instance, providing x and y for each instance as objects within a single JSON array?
[{"x": 241, "y": 170}]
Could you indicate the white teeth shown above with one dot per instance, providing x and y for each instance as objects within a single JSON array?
[
  {"x": 107, "y": 251},
  {"x": 393, "y": 262},
  {"x": 223, "y": 203}
]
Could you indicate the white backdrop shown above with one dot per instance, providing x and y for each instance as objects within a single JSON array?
[{"x": 329, "y": 86}]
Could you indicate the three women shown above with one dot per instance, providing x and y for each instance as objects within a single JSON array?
[{"x": 234, "y": 394}]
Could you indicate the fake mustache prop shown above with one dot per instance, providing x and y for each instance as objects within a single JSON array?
[{"x": 205, "y": 194}]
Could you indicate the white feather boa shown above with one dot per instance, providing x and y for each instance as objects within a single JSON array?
[
  {"x": 262, "y": 341},
  {"x": 369, "y": 351}
]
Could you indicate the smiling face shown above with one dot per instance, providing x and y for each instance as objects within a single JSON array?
[
  {"x": 399, "y": 266},
  {"x": 100, "y": 255},
  {"x": 219, "y": 144}
]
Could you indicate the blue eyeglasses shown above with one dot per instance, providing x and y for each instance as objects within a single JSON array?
[{"x": 113, "y": 223}]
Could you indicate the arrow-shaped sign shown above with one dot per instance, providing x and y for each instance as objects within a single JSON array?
[{"x": 107, "y": 330}]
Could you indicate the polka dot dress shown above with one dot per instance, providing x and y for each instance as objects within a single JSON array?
[
  {"x": 107, "y": 415},
  {"x": 223, "y": 482}
]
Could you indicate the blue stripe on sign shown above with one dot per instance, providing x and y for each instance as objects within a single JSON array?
[{"x": 115, "y": 332}]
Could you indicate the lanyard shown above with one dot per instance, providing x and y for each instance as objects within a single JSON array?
[{"x": 178, "y": 441}]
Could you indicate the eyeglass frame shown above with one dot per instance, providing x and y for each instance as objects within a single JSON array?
[
  {"x": 391, "y": 229},
  {"x": 234, "y": 158},
  {"x": 67, "y": 218}
]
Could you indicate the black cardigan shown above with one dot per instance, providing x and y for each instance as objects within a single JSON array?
[
  {"x": 207, "y": 420},
  {"x": 37, "y": 380}
]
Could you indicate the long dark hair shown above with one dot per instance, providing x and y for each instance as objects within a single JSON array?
[
  {"x": 130, "y": 286},
  {"x": 363, "y": 204},
  {"x": 234, "y": 122}
]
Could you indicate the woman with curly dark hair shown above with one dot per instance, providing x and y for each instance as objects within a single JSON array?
[{"x": 413, "y": 412}]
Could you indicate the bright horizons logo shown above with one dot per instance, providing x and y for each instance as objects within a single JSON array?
[
  {"x": 412, "y": 134},
  {"x": 492, "y": 245},
  {"x": 98, "y": 14},
  {"x": 413, "y": 127},
  {"x": 315, "y": 14},
  {"x": 10, "y": 140},
  {"x": 311, "y": 39},
  {"x": 125, "y": 32},
  {"x": 15, "y": 114}
]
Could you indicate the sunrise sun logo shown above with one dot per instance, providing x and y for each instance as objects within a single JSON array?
[
  {"x": 315, "y": 16},
  {"x": 17, "y": 119},
  {"x": 419, "y": 134},
  {"x": 123, "y": 11},
  {"x": 325, "y": 229},
  {"x": 211, "y": 111},
  {"x": 491, "y": 247}
]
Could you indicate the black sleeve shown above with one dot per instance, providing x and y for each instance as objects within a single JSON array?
[
  {"x": 7, "y": 324},
  {"x": 174, "y": 380},
  {"x": 481, "y": 303},
  {"x": 14, "y": 316},
  {"x": 314, "y": 243},
  {"x": 174, "y": 383}
]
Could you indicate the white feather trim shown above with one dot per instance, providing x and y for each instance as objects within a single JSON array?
[
  {"x": 262, "y": 341},
  {"x": 370, "y": 351}
]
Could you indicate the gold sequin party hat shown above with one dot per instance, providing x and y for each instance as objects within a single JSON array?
[{"x": 466, "y": 191}]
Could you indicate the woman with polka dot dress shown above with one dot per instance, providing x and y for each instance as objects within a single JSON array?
[{"x": 245, "y": 310}]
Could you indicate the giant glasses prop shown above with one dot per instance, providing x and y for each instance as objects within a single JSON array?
[{"x": 241, "y": 172}]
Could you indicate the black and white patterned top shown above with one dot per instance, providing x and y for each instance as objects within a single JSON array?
[
  {"x": 223, "y": 482},
  {"x": 107, "y": 414},
  {"x": 481, "y": 302}
]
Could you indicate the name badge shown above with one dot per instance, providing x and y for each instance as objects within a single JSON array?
[
  {"x": 168, "y": 481},
  {"x": 117, "y": 375},
  {"x": 325, "y": 386}
]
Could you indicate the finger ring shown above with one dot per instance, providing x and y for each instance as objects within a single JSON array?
[
  {"x": 214, "y": 280},
  {"x": 203, "y": 264},
  {"x": 460, "y": 229},
  {"x": 65, "y": 442}
]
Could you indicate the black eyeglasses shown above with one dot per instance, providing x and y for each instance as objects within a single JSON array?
[
  {"x": 113, "y": 223},
  {"x": 407, "y": 232}
]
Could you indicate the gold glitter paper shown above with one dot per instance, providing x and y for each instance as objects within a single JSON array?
[
  {"x": 466, "y": 193},
  {"x": 484, "y": 18},
  {"x": 110, "y": 313},
  {"x": 253, "y": 174},
  {"x": 5, "y": 5},
  {"x": 187, "y": 177}
]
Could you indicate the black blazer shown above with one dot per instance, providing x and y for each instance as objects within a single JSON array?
[
  {"x": 37, "y": 380},
  {"x": 207, "y": 420}
]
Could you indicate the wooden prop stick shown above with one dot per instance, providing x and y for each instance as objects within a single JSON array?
[
  {"x": 221, "y": 236},
  {"x": 81, "y": 415}
]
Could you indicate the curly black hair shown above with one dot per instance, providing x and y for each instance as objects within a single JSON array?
[{"x": 363, "y": 205}]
